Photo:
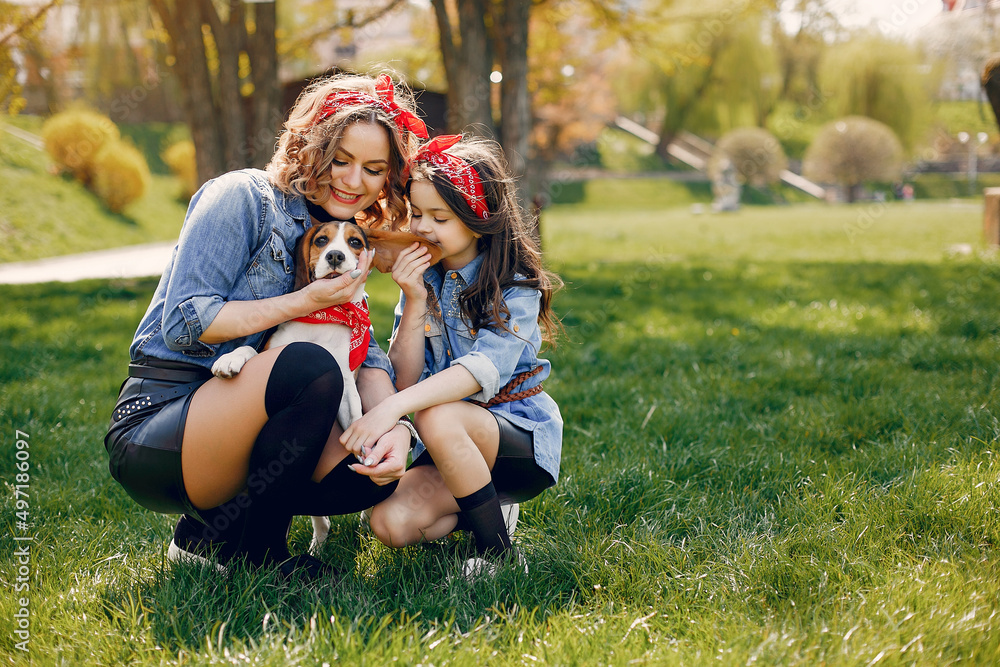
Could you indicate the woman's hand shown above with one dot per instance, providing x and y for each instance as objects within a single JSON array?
[
  {"x": 362, "y": 435},
  {"x": 327, "y": 292},
  {"x": 408, "y": 271},
  {"x": 390, "y": 451}
]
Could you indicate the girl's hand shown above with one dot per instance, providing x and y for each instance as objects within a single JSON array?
[
  {"x": 362, "y": 435},
  {"x": 327, "y": 292},
  {"x": 408, "y": 271},
  {"x": 390, "y": 456}
]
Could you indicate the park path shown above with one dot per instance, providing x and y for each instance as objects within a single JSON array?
[{"x": 136, "y": 261}]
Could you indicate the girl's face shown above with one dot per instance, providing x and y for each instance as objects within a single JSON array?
[
  {"x": 435, "y": 221},
  {"x": 359, "y": 170}
]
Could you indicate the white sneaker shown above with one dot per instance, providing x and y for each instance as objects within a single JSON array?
[
  {"x": 510, "y": 513},
  {"x": 477, "y": 567},
  {"x": 175, "y": 554}
]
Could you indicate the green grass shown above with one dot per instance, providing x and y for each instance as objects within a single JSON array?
[
  {"x": 780, "y": 449},
  {"x": 42, "y": 215},
  {"x": 965, "y": 116}
]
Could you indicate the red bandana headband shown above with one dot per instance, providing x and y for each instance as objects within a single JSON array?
[
  {"x": 459, "y": 172},
  {"x": 404, "y": 120}
]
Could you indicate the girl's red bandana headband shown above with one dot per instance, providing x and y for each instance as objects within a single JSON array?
[
  {"x": 459, "y": 172},
  {"x": 404, "y": 120}
]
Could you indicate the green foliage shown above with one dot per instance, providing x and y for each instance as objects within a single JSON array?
[
  {"x": 181, "y": 160},
  {"x": 852, "y": 151},
  {"x": 969, "y": 116},
  {"x": 882, "y": 80},
  {"x": 42, "y": 215},
  {"x": 754, "y": 152},
  {"x": 73, "y": 139},
  {"x": 780, "y": 449},
  {"x": 796, "y": 126},
  {"x": 87, "y": 144},
  {"x": 622, "y": 153},
  {"x": 120, "y": 175},
  {"x": 153, "y": 138}
]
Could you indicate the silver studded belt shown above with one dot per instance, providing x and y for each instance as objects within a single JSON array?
[{"x": 141, "y": 403}]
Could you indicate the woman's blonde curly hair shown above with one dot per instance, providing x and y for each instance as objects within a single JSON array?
[{"x": 301, "y": 163}]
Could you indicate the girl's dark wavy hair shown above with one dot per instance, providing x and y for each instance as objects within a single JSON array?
[{"x": 511, "y": 254}]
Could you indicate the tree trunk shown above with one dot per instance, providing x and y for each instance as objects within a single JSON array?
[
  {"x": 468, "y": 62},
  {"x": 678, "y": 110},
  {"x": 515, "y": 102},
  {"x": 229, "y": 130},
  {"x": 188, "y": 48},
  {"x": 231, "y": 124},
  {"x": 267, "y": 112}
]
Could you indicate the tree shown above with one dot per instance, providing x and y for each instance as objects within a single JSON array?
[
  {"x": 852, "y": 151},
  {"x": 801, "y": 33},
  {"x": 754, "y": 152},
  {"x": 19, "y": 26},
  {"x": 467, "y": 54},
  {"x": 233, "y": 112},
  {"x": 881, "y": 79},
  {"x": 475, "y": 35},
  {"x": 225, "y": 54},
  {"x": 684, "y": 43}
]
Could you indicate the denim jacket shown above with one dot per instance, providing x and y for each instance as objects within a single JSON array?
[
  {"x": 237, "y": 244},
  {"x": 493, "y": 356}
]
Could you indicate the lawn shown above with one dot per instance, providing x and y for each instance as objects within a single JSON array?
[
  {"x": 780, "y": 449},
  {"x": 42, "y": 215}
]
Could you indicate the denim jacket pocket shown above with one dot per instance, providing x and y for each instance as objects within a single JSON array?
[
  {"x": 271, "y": 270},
  {"x": 433, "y": 327}
]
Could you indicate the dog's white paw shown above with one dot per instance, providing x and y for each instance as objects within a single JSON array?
[
  {"x": 229, "y": 365},
  {"x": 321, "y": 529}
]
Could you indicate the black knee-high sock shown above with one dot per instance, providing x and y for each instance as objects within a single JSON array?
[
  {"x": 482, "y": 512},
  {"x": 301, "y": 399},
  {"x": 340, "y": 492}
]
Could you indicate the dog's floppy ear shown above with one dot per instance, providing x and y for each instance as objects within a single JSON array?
[
  {"x": 303, "y": 270},
  {"x": 389, "y": 244}
]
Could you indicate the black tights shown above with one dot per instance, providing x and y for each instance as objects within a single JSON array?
[
  {"x": 301, "y": 398},
  {"x": 342, "y": 491}
]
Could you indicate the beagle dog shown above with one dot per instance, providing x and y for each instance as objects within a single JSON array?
[{"x": 329, "y": 250}]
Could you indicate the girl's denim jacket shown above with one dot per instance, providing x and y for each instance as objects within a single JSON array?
[
  {"x": 237, "y": 244},
  {"x": 493, "y": 356}
]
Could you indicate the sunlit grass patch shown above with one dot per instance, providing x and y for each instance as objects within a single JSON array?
[{"x": 775, "y": 453}]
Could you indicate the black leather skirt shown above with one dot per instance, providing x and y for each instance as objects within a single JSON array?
[
  {"x": 146, "y": 432},
  {"x": 516, "y": 476}
]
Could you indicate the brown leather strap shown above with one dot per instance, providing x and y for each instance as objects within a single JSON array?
[{"x": 505, "y": 395}]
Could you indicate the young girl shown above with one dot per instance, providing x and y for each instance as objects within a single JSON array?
[
  {"x": 238, "y": 457},
  {"x": 464, "y": 348}
]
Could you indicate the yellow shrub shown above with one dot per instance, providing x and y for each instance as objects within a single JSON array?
[
  {"x": 73, "y": 139},
  {"x": 121, "y": 175},
  {"x": 180, "y": 158}
]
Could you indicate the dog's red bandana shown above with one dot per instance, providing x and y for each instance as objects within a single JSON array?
[
  {"x": 404, "y": 120},
  {"x": 353, "y": 315},
  {"x": 458, "y": 171}
]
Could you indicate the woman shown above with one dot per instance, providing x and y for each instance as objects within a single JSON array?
[{"x": 239, "y": 457}]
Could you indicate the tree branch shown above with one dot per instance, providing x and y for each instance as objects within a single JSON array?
[
  {"x": 349, "y": 22},
  {"x": 27, "y": 23}
]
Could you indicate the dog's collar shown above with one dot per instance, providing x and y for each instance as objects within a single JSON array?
[{"x": 319, "y": 213}]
